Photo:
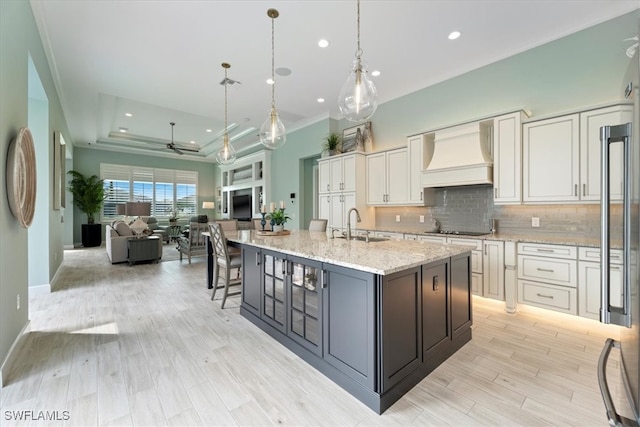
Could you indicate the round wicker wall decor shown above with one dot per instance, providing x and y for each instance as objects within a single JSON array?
[{"x": 21, "y": 177}]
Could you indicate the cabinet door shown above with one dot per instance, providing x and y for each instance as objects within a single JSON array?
[
  {"x": 550, "y": 160},
  {"x": 324, "y": 208},
  {"x": 435, "y": 308},
  {"x": 336, "y": 214},
  {"x": 251, "y": 274},
  {"x": 590, "y": 123},
  {"x": 493, "y": 270},
  {"x": 273, "y": 290},
  {"x": 335, "y": 174},
  {"x": 348, "y": 317},
  {"x": 397, "y": 177},
  {"x": 401, "y": 313},
  {"x": 507, "y": 159},
  {"x": 324, "y": 177},
  {"x": 348, "y": 202},
  {"x": 417, "y": 154},
  {"x": 589, "y": 301},
  {"x": 460, "y": 285},
  {"x": 304, "y": 320},
  {"x": 349, "y": 173},
  {"x": 376, "y": 179}
]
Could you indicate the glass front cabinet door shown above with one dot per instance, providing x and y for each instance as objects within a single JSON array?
[
  {"x": 273, "y": 292},
  {"x": 304, "y": 308}
]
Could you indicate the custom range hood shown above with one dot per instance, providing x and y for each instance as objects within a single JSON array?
[{"x": 461, "y": 156}]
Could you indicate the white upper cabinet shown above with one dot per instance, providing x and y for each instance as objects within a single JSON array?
[
  {"x": 388, "y": 178},
  {"x": 324, "y": 177},
  {"x": 419, "y": 154},
  {"x": 561, "y": 156},
  {"x": 551, "y": 160},
  {"x": 590, "y": 124},
  {"x": 507, "y": 159}
]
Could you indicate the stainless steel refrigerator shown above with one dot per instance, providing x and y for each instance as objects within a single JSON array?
[{"x": 620, "y": 225}]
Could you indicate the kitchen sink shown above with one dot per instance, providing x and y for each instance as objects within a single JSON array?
[{"x": 372, "y": 239}]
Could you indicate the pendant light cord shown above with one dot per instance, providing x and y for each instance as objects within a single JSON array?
[
  {"x": 273, "y": 74},
  {"x": 359, "y": 50}
]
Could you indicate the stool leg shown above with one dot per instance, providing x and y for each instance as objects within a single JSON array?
[
  {"x": 226, "y": 286},
  {"x": 216, "y": 273}
]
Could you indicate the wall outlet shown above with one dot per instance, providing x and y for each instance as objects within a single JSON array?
[
  {"x": 421, "y": 218},
  {"x": 535, "y": 221},
  {"x": 397, "y": 218},
  {"x": 18, "y": 302}
]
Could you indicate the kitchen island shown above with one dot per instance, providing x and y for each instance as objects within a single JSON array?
[{"x": 376, "y": 318}]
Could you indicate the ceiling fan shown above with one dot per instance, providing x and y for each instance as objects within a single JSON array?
[{"x": 174, "y": 147}]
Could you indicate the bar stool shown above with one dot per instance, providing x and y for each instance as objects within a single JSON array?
[{"x": 224, "y": 261}]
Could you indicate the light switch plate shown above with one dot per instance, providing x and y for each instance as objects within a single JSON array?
[
  {"x": 421, "y": 218},
  {"x": 535, "y": 221},
  {"x": 397, "y": 218}
]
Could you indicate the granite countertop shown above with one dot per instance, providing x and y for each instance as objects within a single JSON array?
[
  {"x": 548, "y": 238},
  {"x": 382, "y": 258}
]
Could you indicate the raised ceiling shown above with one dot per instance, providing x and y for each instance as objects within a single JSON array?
[{"x": 160, "y": 61}]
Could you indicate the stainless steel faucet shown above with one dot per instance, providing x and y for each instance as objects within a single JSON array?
[{"x": 349, "y": 221}]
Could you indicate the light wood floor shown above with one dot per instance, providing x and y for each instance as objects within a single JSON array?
[{"x": 145, "y": 346}]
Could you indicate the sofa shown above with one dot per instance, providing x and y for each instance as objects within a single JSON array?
[
  {"x": 159, "y": 230},
  {"x": 116, "y": 235}
]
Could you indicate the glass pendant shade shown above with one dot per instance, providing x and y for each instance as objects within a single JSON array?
[
  {"x": 273, "y": 135},
  {"x": 227, "y": 153},
  {"x": 358, "y": 99}
]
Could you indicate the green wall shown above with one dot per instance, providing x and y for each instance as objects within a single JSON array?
[
  {"x": 87, "y": 161},
  {"x": 19, "y": 38}
]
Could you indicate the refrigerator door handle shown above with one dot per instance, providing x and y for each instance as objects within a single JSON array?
[
  {"x": 615, "y": 419},
  {"x": 608, "y": 314}
]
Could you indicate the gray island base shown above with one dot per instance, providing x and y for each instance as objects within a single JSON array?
[{"x": 376, "y": 318}]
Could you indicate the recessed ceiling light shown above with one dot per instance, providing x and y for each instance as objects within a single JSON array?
[
  {"x": 128, "y": 114},
  {"x": 375, "y": 73},
  {"x": 323, "y": 43},
  {"x": 320, "y": 100},
  {"x": 193, "y": 142},
  {"x": 123, "y": 130},
  {"x": 454, "y": 35},
  {"x": 209, "y": 130},
  {"x": 270, "y": 81}
]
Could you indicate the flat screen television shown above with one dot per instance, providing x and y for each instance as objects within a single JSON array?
[{"x": 241, "y": 208}]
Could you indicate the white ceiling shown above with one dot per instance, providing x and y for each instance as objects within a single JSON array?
[{"x": 161, "y": 60}]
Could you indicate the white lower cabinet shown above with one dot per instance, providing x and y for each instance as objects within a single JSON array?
[
  {"x": 476, "y": 261},
  {"x": 547, "y": 276},
  {"x": 493, "y": 269},
  {"x": 589, "y": 281}
]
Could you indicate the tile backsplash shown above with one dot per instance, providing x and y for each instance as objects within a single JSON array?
[{"x": 471, "y": 208}]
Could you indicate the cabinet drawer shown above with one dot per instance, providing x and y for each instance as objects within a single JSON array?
[
  {"x": 552, "y": 251},
  {"x": 465, "y": 242},
  {"x": 593, "y": 254},
  {"x": 547, "y": 296},
  {"x": 557, "y": 271},
  {"x": 433, "y": 239},
  {"x": 389, "y": 235}
]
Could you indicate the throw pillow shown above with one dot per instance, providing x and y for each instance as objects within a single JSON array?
[{"x": 123, "y": 229}]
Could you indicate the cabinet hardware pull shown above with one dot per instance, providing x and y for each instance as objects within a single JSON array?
[
  {"x": 284, "y": 268},
  {"x": 615, "y": 267},
  {"x": 485, "y": 249},
  {"x": 545, "y": 250},
  {"x": 546, "y": 270},
  {"x": 421, "y": 196},
  {"x": 545, "y": 296},
  {"x": 327, "y": 187},
  {"x": 584, "y": 189},
  {"x": 575, "y": 189},
  {"x": 323, "y": 284},
  {"x": 435, "y": 283},
  {"x": 495, "y": 192},
  {"x": 257, "y": 258}
]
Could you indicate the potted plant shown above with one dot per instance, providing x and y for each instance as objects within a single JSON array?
[
  {"x": 331, "y": 143},
  {"x": 88, "y": 195},
  {"x": 173, "y": 217},
  {"x": 278, "y": 219}
]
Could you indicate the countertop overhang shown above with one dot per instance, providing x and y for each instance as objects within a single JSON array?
[{"x": 385, "y": 257}]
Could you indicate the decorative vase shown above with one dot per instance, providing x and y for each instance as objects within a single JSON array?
[{"x": 278, "y": 228}]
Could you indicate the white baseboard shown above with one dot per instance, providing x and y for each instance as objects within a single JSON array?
[
  {"x": 40, "y": 289},
  {"x": 14, "y": 351},
  {"x": 67, "y": 247}
]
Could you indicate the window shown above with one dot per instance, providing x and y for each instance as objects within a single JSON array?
[{"x": 166, "y": 189}]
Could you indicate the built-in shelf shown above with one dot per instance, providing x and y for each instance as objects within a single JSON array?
[{"x": 246, "y": 176}]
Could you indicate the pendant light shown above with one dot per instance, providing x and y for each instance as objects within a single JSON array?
[
  {"x": 358, "y": 97},
  {"x": 273, "y": 135},
  {"x": 227, "y": 154}
]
